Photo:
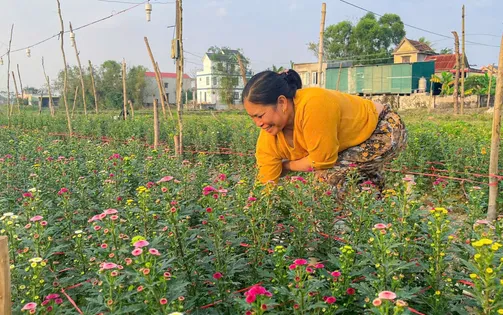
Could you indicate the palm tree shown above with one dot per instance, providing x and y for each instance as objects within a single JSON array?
[
  {"x": 276, "y": 69},
  {"x": 425, "y": 41},
  {"x": 446, "y": 51}
]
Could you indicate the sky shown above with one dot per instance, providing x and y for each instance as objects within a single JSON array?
[{"x": 270, "y": 32}]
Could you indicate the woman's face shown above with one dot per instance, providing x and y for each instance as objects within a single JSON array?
[{"x": 270, "y": 118}]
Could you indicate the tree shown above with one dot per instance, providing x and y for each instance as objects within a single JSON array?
[
  {"x": 446, "y": 51},
  {"x": 276, "y": 69},
  {"x": 425, "y": 41},
  {"x": 135, "y": 83},
  {"x": 479, "y": 84},
  {"x": 370, "y": 41},
  {"x": 447, "y": 81}
]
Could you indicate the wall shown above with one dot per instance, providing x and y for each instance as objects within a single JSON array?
[
  {"x": 406, "y": 50},
  {"x": 152, "y": 90},
  {"x": 422, "y": 100}
]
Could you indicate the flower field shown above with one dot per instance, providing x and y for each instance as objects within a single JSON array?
[{"x": 111, "y": 226}]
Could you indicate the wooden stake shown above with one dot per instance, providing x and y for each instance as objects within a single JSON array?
[
  {"x": 177, "y": 145},
  {"x": 456, "y": 78},
  {"x": 75, "y": 100},
  {"x": 156, "y": 125},
  {"x": 242, "y": 69},
  {"x": 124, "y": 91},
  {"x": 491, "y": 72},
  {"x": 9, "y": 107},
  {"x": 132, "y": 109},
  {"x": 51, "y": 103},
  {"x": 179, "y": 73},
  {"x": 157, "y": 75},
  {"x": 17, "y": 93},
  {"x": 339, "y": 76},
  {"x": 77, "y": 53},
  {"x": 94, "y": 86},
  {"x": 165, "y": 102},
  {"x": 65, "y": 82},
  {"x": 20, "y": 82},
  {"x": 495, "y": 141},
  {"x": 320, "y": 48},
  {"x": 5, "y": 284},
  {"x": 463, "y": 66}
]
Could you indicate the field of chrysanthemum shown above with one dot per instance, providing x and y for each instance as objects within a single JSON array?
[{"x": 110, "y": 226}]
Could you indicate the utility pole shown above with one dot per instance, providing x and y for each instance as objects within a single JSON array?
[
  {"x": 320, "y": 48},
  {"x": 179, "y": 73},
  {"x": 463, "y": 66},
  {"x": 456, "y": 79}
]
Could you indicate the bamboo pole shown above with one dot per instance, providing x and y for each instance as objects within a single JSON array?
[
  {"x": 339, "y": 76},
  {"x": 51, "y": 103},
  {"x": 163, "y": 96},
  {"x": 179, "y": 74},
  {"x": 94, "y": 86},
  {"x": 495, "y": 141},
  {"x": 491, "y": 72},
  {"x": 320, "y": 48},
  {"x": 65, "y": 82},
  {"x": 20, "y": 82},
  {"x": 17, "y": 93},
  {"x": 463, "y": 65},
  {"x": 5, "y": 283},
  {"x": 132, "y": 109},
  {"x": 124, "y": 90},
  {"x": 456, "y": 78},
  {"x": 156, "y": 124},
  {"x": 75, "y": 100},
  {"x": 157, "y": 75},
  {"x": 77, "y": 53},
  {"x": 9, "y": 107}
]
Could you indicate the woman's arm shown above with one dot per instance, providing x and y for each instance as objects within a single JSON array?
[{"x": 302, "y": 165}]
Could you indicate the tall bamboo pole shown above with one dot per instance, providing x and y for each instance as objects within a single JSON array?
[
  {"x": 456, "y": 78},
  {"x": 17, "y": 93},
  {"x": 65, "y": 82},
  {"x": 91, "y": 70},
  {"x": 124, "y": 90},
  {"x": 51, "y": 103},
  {"x": 9, "y": 108},
  {"x": 77, "y": 53},
  {"x": 463, "y": 65},
  {"x": 20, "y": 82},
  {"x": 320, "y": 48}
]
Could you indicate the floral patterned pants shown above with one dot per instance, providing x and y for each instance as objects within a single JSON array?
[{"x": 369, "y": 157}]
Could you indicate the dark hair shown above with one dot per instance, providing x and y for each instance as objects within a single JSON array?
[{"x": 265, "y": 87}]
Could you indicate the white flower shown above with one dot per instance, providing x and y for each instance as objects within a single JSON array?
[
  {"x": 175, "y": 313},
  {"x": 36, "y": 260},
  {"x": 8, "y": 214},
  {"x": 79, "y": 232}
]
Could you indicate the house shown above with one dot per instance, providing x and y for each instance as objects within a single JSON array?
[
  {"x": 309, "y": 73},
  {"x": 447, "y": 63},
  {"x": 169, "y": 81},
  {"x": 218, "y": 65},
  {"x": 408, "y": 51}
]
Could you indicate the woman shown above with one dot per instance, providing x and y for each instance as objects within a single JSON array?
[{"x": 315, "y": 129}]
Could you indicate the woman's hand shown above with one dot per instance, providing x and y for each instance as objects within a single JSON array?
[{"x": 302, "y": 165}]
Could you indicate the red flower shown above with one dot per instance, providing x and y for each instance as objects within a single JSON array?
[
  {"x": 251, "y": 298},
  {"x": 209, "y": 210},
  {"x": 163, "y": 301},
  {"x": 264, "y": 307},
  {"x": 217, "y": 275},
  {"x": 350, "y": 291},
  {"x": 300, "y": 262},
  {"x": 330, "y": 300}
]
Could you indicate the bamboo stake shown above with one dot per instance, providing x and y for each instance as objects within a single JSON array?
[
  {"x": 320, "y": 48},
  {"x": 9, "y": 108},
  {"x": 75, "y": 99},
  {"x": 51, "y": 103},
  {"x": 491, "y": 72},
  {"x": 495, "y": 141},
  {"x": 132, "y": 109},
  {"x": 5, "y": 283},
  {"x": 77, "y": 53},
  {"x": 179, "y": 74},
  {"x": 94, "y": 86},
  {"x": 65, "y": 84},
  {"x": 163, "y": 96},
  {"x": 156, "y": 125},
  {"x": 124, "y": 91},
  {"x": 339, "y": 76},
  {"x": 456, "y": 78},
  {"x": 157, "y": 75},
  {"x": 20, "y": 82},
  {"x": 463, "y": 65},
  {"x": 17, "y": 93}
]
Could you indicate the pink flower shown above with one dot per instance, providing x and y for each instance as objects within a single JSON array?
[
  {"x": 27, "y": 226},
  {"x": 104, "y": 245},
  {"x": 222, "y": 191},
  {"x": 330, "y": 300},
  {"x": 336, "y": 274},
  {"x": 292, "y": 266},
  {"x": 217, "y": 275},
  {"x": 97, "y": 227},
  {"x": 380, "y": 226},
  {"x": 129, "y": 261},
  {"x": 36, "y": 218},
  {"x": 300, "y": 262},
  {"x": 208, "y": 189},
  {"x": 164, "y": 189},
  {"x": 114, "y": 273},
  {"x": 52, "y": 296},
  {"x": 167, "y": 275},
  {"x": 250, "y": 298},
  {"x": 110, "y": 211},
  {"x": 139, "y": 289},
  {"x": 101, "y": 216},
  {"x": 252, "y": 198},
  {"x": 350, "y": 291},
  {"x": 387, "y": 295},
  {"x": 62, "y": 191},
  {"x": 146, "y": 271},
  {"x": 309, "y": 270},
  {"x": 43, "y": 223},
  {"x": 154, "y": 252},
  {"x": 44, "y": 303},
  {"x": 256, "y": 290},
  {"x": 137, "y": 252},
  {"x": 114, "y": 217},
  {"x": 377, "y": 302},
  {"x": 319, "y": 266},
  {"x": 108, "y": 266},
  {"x": 209, "y": 210},
  {"x": 94, "y": 218},
  {"x": 222, "y": 177},
  {"x": 165, "y": 179},
  {"x": 58, "y": 301},
  {"x": 29, "y": 306},
  {"x": 163, "y": 301},
  {"x": 141, "y": 243},
  {"x": 28, "y": 195}
]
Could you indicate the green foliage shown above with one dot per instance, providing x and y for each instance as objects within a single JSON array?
[
  {"x": 370, "y": 41},
  {"x": 479, "y": 84}
]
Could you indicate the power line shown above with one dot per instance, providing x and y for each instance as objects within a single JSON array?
[
  {"x": 76, "y": 29},
  {"x": 415, "y": 27}
]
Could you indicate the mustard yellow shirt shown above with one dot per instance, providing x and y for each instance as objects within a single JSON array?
[{"x": 326, "y": 123}]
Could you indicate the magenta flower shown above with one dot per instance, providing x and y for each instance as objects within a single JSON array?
[
  {"x": 336, "y": 274},
  {"x": 319, "y": 266},
  {"x": 29, "y": 306},
  {"x": 52, "y": 296},
  {"x": 36, "y": 218},
  {"x": 163, "y": 301},
  {"x": 58, "y": 301},
  {"x": 137, "y": 252},
  {"x": 62, "y": 191},
  {"x": 217, "y": 275},
  {"x": 292, "y": 266},
  {"x": 141, "y": 243},
  {"x": 350, "y": 291},
  {"x": 309, "y": 270},
  {"x": 387, "y": 295},
  {"x": 300, "y": 262},
  {"x": 101, "y": 216},
  {"x": 94, "y": 218},
  {"x": 380, "y": 226},
  {"x": 110, "y": 211},
  {"x": 330, "y": 300},
  {"x": 28, "y": 195},
  {"x": 252, "y": 199},
  {"x": 108, "y": 266},
  {"x": 43, "y": 223},
  {"x": 250, "y": 298},
  {"x": 104, "y": 246},
  {"x": 165, "y": 179},
  {"x": 154, "y": 252},
  {"x": 114, "y": 217},
  {"x": 208, "y": 189},
  {"x": 251, "y": 295}
]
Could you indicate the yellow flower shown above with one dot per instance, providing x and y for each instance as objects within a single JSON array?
[
  {"x": 477, "y": 244},
  {"x": 36, "y": 260},
  {"x": 484, "y": 152},
  {"x": 33, "y": 265},
  {"x": 494, "y": 247},
  {"x": 450, "y": 237},
  {"x": 489, "y": 270},
  {"x": 437, "y": 292},
  {"x": 477, "y": 256},
  {"x": 486, "y": 241},
  {"x": 43, "y": 264},
  {"x": 129, "y": 201},
  {"x": 501, "y": 281},
  {"x": 500, "y": 311},
  {"x": 473, "y": 276}
]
